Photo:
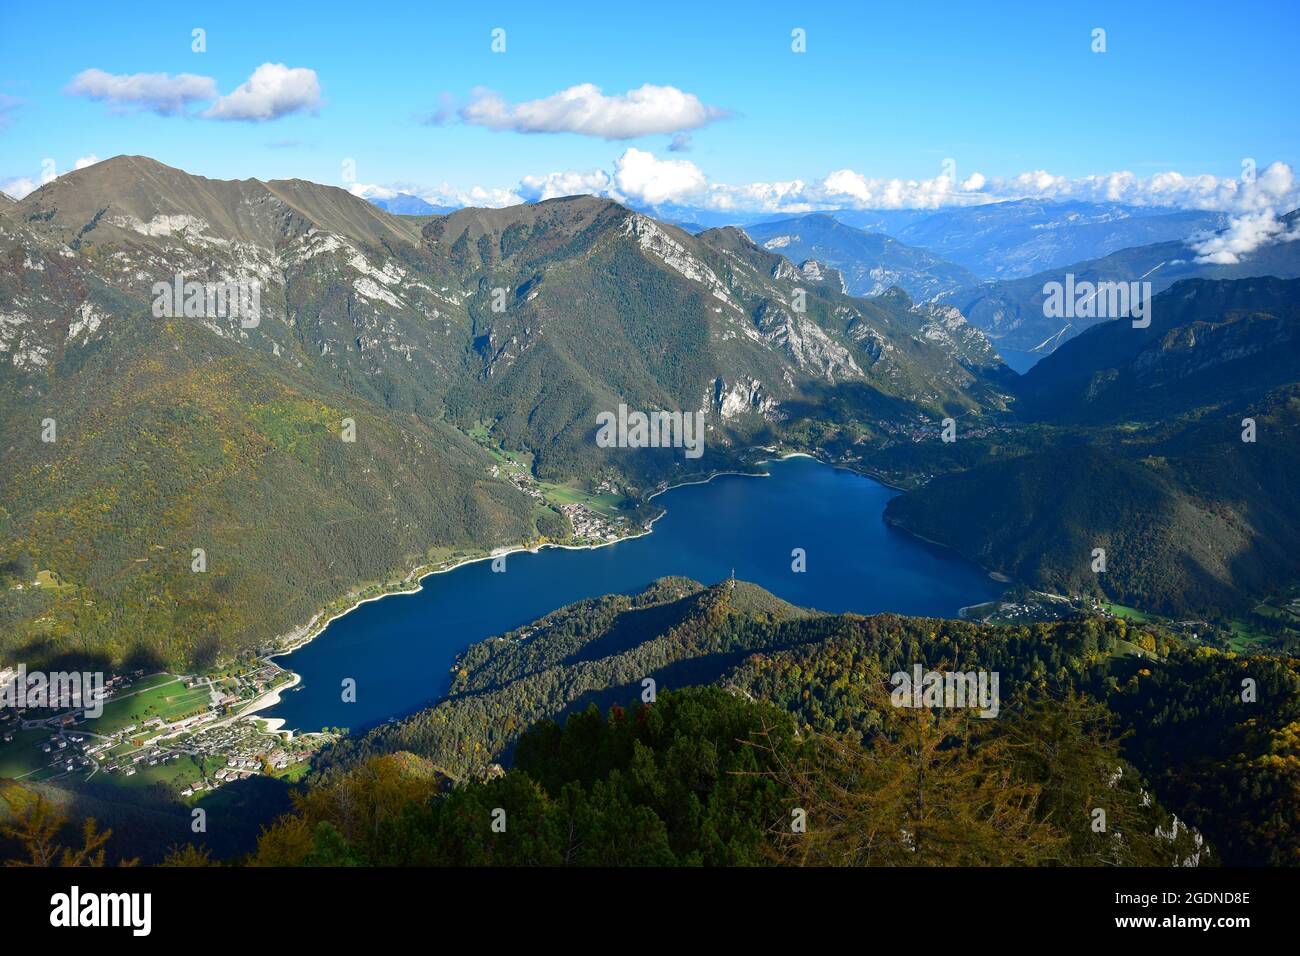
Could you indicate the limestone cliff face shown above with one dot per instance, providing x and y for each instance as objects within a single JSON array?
[{"x": 738, "y": 398}]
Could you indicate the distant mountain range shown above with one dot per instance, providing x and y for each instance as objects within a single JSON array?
[
  {"x": 404, "y": 204},
  {"x": 1001, "y": 240},
  {"x": 869, "y": 262},
  {"x": 1012, "y": 312},
  {"x": 1010, "y": 239}
]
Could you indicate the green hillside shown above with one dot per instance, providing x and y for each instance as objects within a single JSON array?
[
  {"x": 1136, "y": 447},
  {"x": 1208, "y": 343},
  {"x": 831, "y": 673},
  {"x": 171, "y": 440},
  {"x": 517, "y": 326},
  {"x": 760, "y": 707}
]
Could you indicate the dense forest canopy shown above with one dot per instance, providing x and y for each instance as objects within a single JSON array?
[{"x": 720, "y": 725}]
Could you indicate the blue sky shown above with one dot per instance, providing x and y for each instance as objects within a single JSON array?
[{"x": 885, "y": 91}]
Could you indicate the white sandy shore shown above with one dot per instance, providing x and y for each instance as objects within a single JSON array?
[{"x": 270, "y": 699}]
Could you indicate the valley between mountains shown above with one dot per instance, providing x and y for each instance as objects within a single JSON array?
[
  {"x": 176, "y": 434},
  {"x": 472, "y": 351},
  {"x": 192, "y": 493}
]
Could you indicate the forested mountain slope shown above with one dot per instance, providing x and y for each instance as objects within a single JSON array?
[
  {"x": 758, "y": 707},
  {"x": 231, "y": 433},
  {"x": 1208, "y": 342},
  {"x": 1175, "y": 449}
]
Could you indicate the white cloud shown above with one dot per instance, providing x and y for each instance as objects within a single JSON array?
[
  {"x": 845, "y": 187},
  {"x": 789, "y": 196},
  {"x": 1275, "y": 187},
  {"x": 638, "y": 177},
  {"x": 372, "y": 191},
  {"x": 641, "y": 176},
  {"x": 274, "y": 90},
  {"x": 20, "y": 186},
  {"x": 158, "y": 93},
  {"x": 584, "y": 109},
  {"x": 476, "y": 196},
  {"x": 595, "y": 182},
  {"x": 445, "y": 194},
  {"x": 1244, "y": 235}
]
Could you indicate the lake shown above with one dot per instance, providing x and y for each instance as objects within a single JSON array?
[
  {"x": 1018, "y": 361},
  {"x": 400, "y": 649}
]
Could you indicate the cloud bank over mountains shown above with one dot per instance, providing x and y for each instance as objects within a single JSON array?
[
  {"x": 1244, "y": 235},
  {"x": 640, "y": 177}
]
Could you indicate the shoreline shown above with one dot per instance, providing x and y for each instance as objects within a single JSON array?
[
  {"x": 996, "y": 576},
  {"x": 419, "y": 574},
  {"x": 274, "y": 725},
  {"x": 312, "y": 630}
]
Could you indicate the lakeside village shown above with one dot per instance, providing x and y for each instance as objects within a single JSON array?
[
  {"x": 192, "y": 734},
  {"x": 589, "y": 526},
  {"x": 1021, "y": 605},
  {"x": 198, "y": 733}
]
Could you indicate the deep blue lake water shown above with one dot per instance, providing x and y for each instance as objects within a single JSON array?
[
  {"x": 1019, "y": 362},
  {"x": 400, "y": 649}
]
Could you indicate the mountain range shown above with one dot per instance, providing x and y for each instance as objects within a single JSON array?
[
  {"x": 1006, "y": 240},
  {"x": 355, "y": 430},
  {"x": 997, "y": 240},
  {"x": 1174, "y": 449},
  {"x": 1012, "y": 312},
  {"x": 515, "y": 326},
  {"x": 404, "y": 204},
  {"x": 870, "y": 263}
]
